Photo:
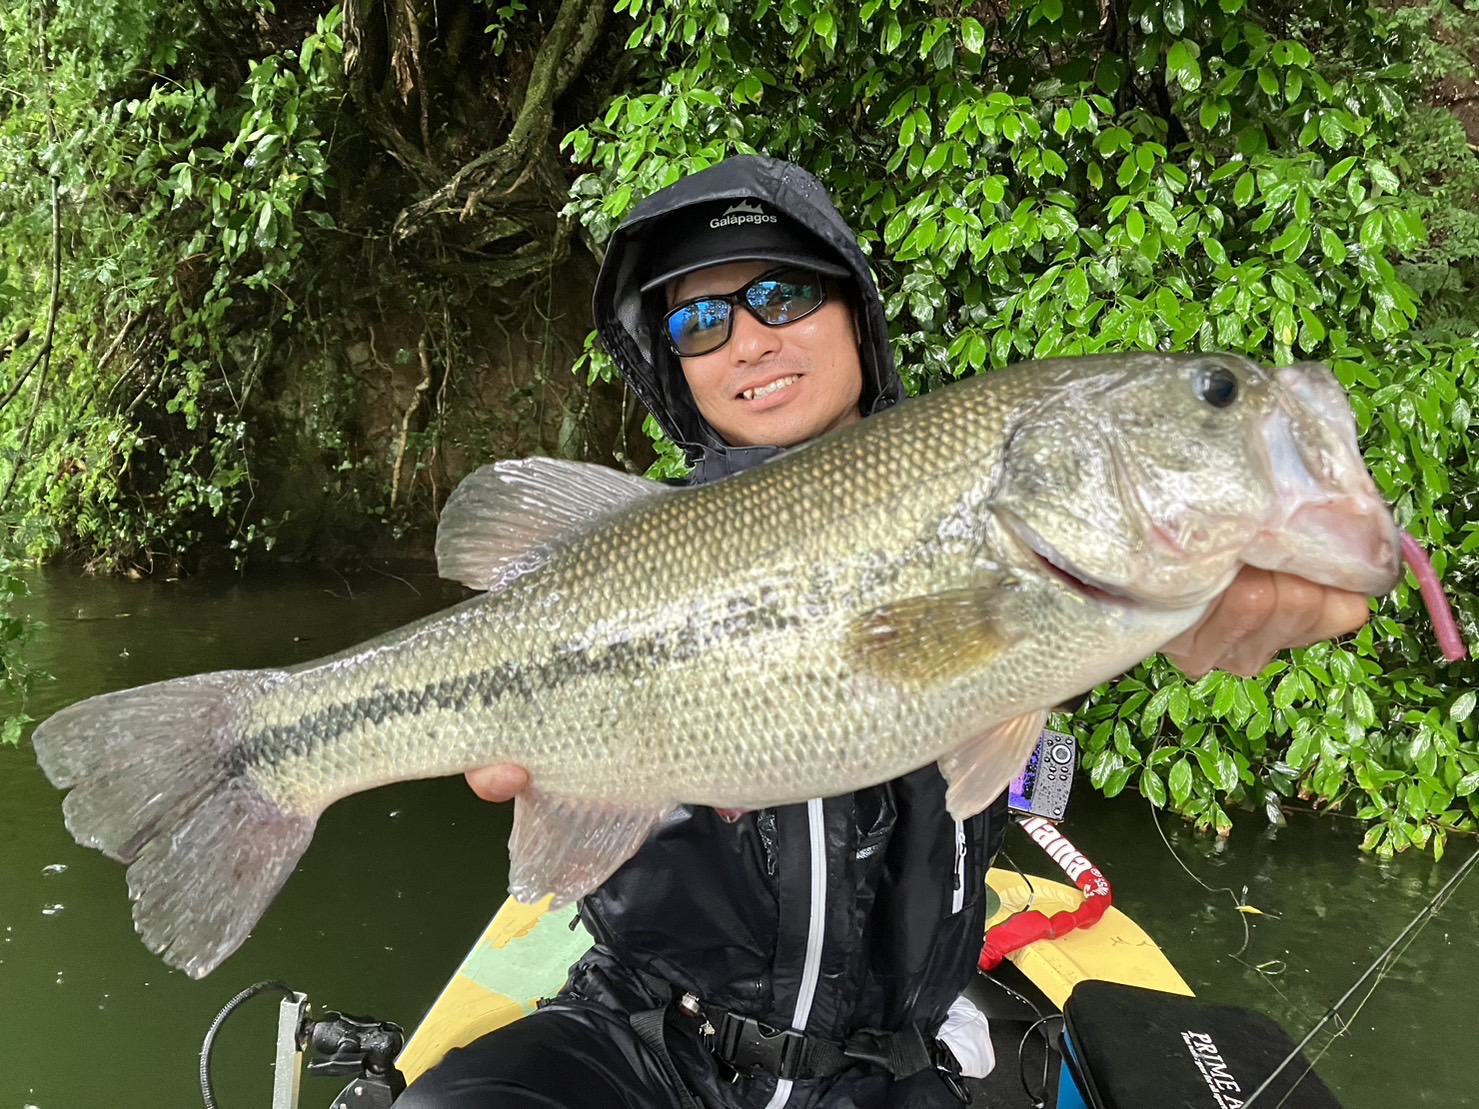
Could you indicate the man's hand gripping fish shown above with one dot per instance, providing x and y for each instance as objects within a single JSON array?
[{"x": 920, "y": 587}]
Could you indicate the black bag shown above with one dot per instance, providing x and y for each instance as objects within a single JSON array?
[{"x": 1133, "y": 1048}]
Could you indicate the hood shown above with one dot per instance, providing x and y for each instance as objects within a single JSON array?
[{"x": 626, "y": 316}]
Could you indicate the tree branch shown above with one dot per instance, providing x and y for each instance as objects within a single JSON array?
[
  {"x": 564, "y": 51},
  {"x": 411, "y": 409}
]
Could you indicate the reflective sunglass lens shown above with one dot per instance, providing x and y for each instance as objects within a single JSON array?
[
  {"x": 779, "y": 302},
  {"x": 704, "y": 325},
  {"x": 699, "y": 327}
]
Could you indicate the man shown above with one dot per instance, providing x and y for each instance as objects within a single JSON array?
[{"x": 733, "y": 956}]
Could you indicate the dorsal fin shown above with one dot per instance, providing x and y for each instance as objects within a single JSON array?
[{"x": 505, "y": 519}]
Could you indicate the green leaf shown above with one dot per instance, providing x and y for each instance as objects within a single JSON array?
[
  {"x": 936, "y": 159},
  {"x": 892, "y": 35},
  {"x": 1463, "y": 706},
  {"x": 1076, "y": 288},
  {"x": 958, "y": 117},
  {"x": 1243, "y": 190},
  {"x": 1180, "y": 782},
  {"x": 1161, "y": 215},
  {"x": 1339, "y": 170},
  {"x": 1332, "y": 131},
  {"x": 1332, "y": 247},
  {"x": 1116, "y": 782},
  {"x": 972, "y": 34},
  {"x": 1153, "y": 788},
  {"x": 1173, "y": 16}
]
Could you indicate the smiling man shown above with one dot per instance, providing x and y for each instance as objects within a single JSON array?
[
  {"x": 755, "y": 382},
  {"x": 808, "y": 955}
]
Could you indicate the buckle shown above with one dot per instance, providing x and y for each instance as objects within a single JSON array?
[{"x": 747, "y": 1045}]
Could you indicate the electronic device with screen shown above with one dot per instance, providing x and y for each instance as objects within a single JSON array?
[{"x": 1043, "y": 786}]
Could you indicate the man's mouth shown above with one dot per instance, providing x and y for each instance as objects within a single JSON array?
[{"x": 759, "y": 392}]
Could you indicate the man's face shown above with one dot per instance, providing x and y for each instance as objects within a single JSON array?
[{"x": 802, "y": 378}]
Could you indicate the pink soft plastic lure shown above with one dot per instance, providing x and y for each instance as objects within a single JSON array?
[{"x": 1444, "y": 624}]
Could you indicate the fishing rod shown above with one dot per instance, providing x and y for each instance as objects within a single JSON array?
[{"x": 1393, "y": 952}]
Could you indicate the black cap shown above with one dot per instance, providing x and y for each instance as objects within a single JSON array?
[{"x": 740, "y": 230}]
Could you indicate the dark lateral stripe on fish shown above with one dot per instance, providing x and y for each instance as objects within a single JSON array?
[{"x": 485, "y": 688}]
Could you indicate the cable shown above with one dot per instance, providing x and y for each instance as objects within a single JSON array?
[
  {"x": 1042, "y": 1018},
  {"x": 1026, "y": 1001},
  {"x": 1039, "y": 1100},
  {"x": 207, "y": 1091}
]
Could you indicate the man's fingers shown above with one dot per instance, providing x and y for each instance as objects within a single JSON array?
[
  {"x": 1289, "y": 620},
  {"x": 1247, "y": 605},
  {"x": 499, "y": 782},
  {"x": 1343, "y": 614},
  {"x": 1261, "y": 614}
]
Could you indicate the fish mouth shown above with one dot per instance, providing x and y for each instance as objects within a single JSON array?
[{"x": 1062, "y": 569}]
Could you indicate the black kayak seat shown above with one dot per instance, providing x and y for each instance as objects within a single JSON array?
[{"x": 1127, "y": 1047}]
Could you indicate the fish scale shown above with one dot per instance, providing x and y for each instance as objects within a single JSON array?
[{"x": 919, "y": 587}]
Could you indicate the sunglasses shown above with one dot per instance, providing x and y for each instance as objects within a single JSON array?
[{"x": 704, "y": 324}]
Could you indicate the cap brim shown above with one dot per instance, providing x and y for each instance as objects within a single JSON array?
[{"x": 754, "y": 254}]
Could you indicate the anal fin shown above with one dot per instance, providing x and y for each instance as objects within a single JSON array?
[
  {"x": 568, "y": 847},
  {"x": 983, "y": 767}
]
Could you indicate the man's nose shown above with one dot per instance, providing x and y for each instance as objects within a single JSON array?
[{"x": 752, "y": 340}]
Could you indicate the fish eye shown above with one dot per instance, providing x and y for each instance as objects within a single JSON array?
[{"x": 1217, "y": 385}]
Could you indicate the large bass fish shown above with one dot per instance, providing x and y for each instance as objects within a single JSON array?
[{"x": 919, "y": 587}]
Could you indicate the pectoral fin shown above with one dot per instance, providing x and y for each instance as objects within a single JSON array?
[
  {"x": 508, "y": 518},
  {"x": 925, "y": 640},
  {"x": 568, "y": 847},
  {"x": 980, "y": 770}
]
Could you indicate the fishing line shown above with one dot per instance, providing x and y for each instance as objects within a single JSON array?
[
  {"x": 1238, "y": 904},
  {"x": 1381, "y": 967}
]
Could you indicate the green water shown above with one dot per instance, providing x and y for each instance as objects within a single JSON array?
[{"x": 399, "y": 882}]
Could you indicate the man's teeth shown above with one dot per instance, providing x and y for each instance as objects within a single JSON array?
[{"x": 766, "y": 390}]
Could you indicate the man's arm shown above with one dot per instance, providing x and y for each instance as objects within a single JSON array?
[{"x": 1261, "y": 613}]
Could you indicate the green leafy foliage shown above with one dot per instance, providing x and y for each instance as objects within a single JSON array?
[
  {"x": 1071, "y": 177},
  {"x": 16, "y": 676},
  {"x": 182, "y": 211}
]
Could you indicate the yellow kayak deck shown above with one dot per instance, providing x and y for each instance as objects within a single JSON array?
[{"x": 525, "y": 951}]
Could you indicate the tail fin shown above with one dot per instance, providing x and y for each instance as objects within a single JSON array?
[{"x": 156, "y": 783}]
